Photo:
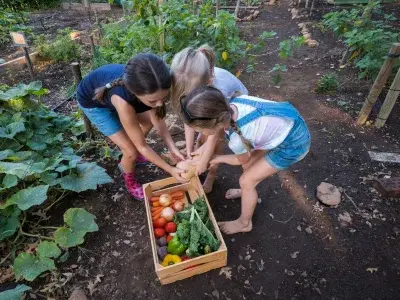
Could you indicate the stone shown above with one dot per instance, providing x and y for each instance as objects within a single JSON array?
[
  {"x": 312, "y": 43},
  {"x": 256, "y": 13},
  {"x": 307, "y": 36},
  {"x": 180, "y": 144},
  {"x": 345, "y": 219},
  {"x": 328, "y": 194},
  {"x": 78, "y": 294},
  {"x": 175, "y": 129},
  {"x": 388, "y": 187}
]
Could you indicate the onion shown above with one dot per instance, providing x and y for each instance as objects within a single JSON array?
[
  {"x": 165, "y": 200},
  {"x": 178, "y": 205},
  {"x": 168, "y": 213}
]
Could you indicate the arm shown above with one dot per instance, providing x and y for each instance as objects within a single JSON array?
[
  {"x": 232, "y": 159},
  {"x": 207, "y": 152},
  {"x": 127, "y": 116},
  {"x": 161, "y": 127},
  {"x": 189, "y": 137}
]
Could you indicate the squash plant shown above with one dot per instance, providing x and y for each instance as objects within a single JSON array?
[{"x": 38, "y": 167}]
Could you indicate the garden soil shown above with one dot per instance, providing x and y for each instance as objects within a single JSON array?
[{"x": 298, "y": 248}]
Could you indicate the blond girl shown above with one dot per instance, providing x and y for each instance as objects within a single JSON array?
[{"x": 192, "y": 68}]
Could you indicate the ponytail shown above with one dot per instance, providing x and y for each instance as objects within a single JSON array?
[
  {"x": 249, "y": 147},
  {"x": 209, "y": 54},
  {"x": 100, "y": 92}
]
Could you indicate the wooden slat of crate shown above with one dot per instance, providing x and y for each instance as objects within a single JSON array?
[{"x": 199, "y": 264}]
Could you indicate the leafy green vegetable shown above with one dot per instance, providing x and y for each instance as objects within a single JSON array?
[{"x": 195, "y": 229}]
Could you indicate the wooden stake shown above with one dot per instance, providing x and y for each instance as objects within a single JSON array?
[
  {"x": 92, "y": 46},
  {"x": 237, "y": 8},
  {"x": 390, "y": 100},
  {"x": 195, "y": 7},
  {"x": 28, "y": 62},
  {"x": 160, "y": 21},
  {"x": 379, "y": 83},
  {"x": 76, "y": 70},
  {"x": 217, "y": 7}
]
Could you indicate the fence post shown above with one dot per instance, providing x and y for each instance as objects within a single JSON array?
[
  {"x": 76, "y": 70},
  {"x": 92, "y": 46},
  {"x": 217, "y": 7},
  {"x": 237, "y": 8},
  {"x": 379, "y": 83},
  {"x": 390, "y": 100},
  {"x": 162, "y": 35}
]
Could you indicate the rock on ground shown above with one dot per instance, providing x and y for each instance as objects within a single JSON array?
[
  {"x": 328, "y": 194},
  {"x": 78, "y": 294}
]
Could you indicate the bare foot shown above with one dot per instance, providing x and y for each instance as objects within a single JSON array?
[
  {"x": 236, "y": 226},
  {"x": 208, "y": 184},
  {"x": 233, "y": 194}
]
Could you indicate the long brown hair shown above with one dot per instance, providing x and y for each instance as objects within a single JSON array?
[
  {"x": 144, "y": 74},
  {"x": 191, "y": 68},
  {"x": 206, "y": 107}
]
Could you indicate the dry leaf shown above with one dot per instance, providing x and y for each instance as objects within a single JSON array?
[
  {"x": 92, "y": 284},
  {"x": 372, "y": 270},
  {"x": 227, "y": 272},
  {"x": 294, "y": 254}
]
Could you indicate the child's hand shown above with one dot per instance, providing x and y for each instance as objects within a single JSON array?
[
  {"x": 201, "y": 167},
  {"x": 177, "y": 154},
  {"x": 176, "y": 172}
]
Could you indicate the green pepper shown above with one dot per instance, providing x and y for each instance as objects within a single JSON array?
[{"x": 175, "y": 246}]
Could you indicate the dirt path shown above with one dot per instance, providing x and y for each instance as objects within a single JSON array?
[{"x": 298, "y": 249}]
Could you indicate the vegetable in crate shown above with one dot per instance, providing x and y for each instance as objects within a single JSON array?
[
  {"x": 170, "y": 260},
  {"x": 195, "y": 229},
  {"x": 175, "y": 246}
]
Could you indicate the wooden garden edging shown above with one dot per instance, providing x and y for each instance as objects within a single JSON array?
[
  {"x": 379, "y": 83},
  {"x": 92, "y": 6}
]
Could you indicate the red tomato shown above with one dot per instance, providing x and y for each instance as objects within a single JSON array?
[
  {"x": 170, "y": 227},
  {"x": 159, "y": 232},
  {"x": 169, "y": 237},
  {"x": 160, "y": 222}
]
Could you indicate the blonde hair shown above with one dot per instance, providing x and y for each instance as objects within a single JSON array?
[
  {"x": 191, "y": 68},
  {"x": 206, "y": 107}
]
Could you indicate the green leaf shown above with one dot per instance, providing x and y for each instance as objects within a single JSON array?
[
  {"x": 63, "y": 258},
  {"x": 66, "y": 237},
  {"x": 34, "y": 86},
  {"x": 48, "y": 249},
  {"x": 276, "y": 78},
  {"x": 49, "y": 178},
  {"x": 11, "y": 130},
  {"x": 9, "y": 221},
  {"x": 29, "y": 197},
  {"x": 5, "y": 154},
  {"x": 21, "y": 170},
  {"x": 16, "y": 293},
  {"x": 29, "y": 266},
  {"x": 80, "y": 220},
  {"x": 88, "y": 176},
  {"x": 37, "y": 142},
  {"x": 7, "y": 144},
  {"x": 9, "y": 181}
]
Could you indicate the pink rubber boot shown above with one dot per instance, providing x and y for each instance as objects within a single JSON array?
[{"x": 133, "y": 186}]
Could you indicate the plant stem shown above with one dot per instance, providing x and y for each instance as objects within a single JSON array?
[
  {"x": 5, "y": 258},
  {"x": 36, "y": 235},
  {"x": 58, "y": 200},
  {"x": 48, "y": 227}
]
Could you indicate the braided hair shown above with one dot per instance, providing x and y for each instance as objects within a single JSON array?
[
  {"x": 206, "y": 107},
  {"x": 144, "y": 74}
]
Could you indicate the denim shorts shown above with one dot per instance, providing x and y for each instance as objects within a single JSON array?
[
  {"x": 293, "y": 149},
  {"x": 105, "y": 119}
]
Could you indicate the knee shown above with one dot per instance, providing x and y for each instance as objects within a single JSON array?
[
  {"x": 245, "y": 182},
  {"x": 130, "y": 154}
]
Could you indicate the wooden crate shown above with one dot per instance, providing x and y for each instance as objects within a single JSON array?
[{"x": 196, "y": 265}]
